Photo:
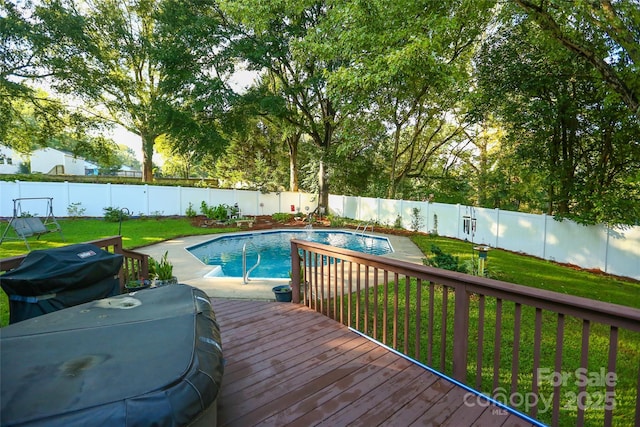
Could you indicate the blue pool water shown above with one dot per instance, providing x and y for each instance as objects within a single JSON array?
[{"x": 225, "y": 253}]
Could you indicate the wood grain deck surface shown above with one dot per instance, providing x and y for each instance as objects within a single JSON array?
[{"x": 287, "y": 365}]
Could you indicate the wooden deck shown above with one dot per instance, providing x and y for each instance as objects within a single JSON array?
[{"x": 288, "y": 365}]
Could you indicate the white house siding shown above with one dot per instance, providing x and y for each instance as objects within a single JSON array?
[
  {"x": 45, "y": 159},
  {"x": 9, "y": 160}
]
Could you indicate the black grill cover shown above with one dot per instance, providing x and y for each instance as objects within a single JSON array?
[
  {"x": 149, "y": 358},
  {"x": 53, "y": 279}
]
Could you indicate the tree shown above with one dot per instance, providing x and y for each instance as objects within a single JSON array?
[
  {"x": 267, "y": 103},
  {"x": 117, "y": 57},
  {"x": 17, "y": 63},
  {"x": 411, "y": 74},
  {"x": 270, "y": 37},
  {"x": 256, "y": 158},
  {"x": 583, "y": 27},
  {"x": 564, "y": 123},
  {"x": 30, "y": 117}
]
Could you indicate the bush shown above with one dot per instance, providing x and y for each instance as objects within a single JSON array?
[
  {"x": 281, "y": 217},
  {"x": 214, "y": 212},
  {"x": 190, "y": 212},
  {"x": 397, "y": 224},
  {"x": 445, "y": 261},
  {"x": 115, "y": 214},
  {"x": 416, "y": 220},
  {"x": 336, "y": 221},
  {"x": 75, "y": 210}
]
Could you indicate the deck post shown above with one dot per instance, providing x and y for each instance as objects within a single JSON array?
[
  {"x": 460, "y": 334},
  {"x": 295, "y": 273}
]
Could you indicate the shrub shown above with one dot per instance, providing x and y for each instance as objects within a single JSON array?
[
  {"x": 115, "y": 214},
  {"x": 190, "y": 212},
  {"x": 398, "y": 222},
  {"x": 281, "y": 216},
  {"x": 444, "y": 260},
  {"x": 416, "y": 220},
  {"x": 74, "y": 210},
  {"x": 214, "y": 212},
  {"x": 336, "y": 221}
]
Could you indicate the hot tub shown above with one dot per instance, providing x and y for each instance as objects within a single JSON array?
[{"x": 152, "y": 357}]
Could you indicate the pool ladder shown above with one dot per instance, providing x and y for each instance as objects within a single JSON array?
[
  {"x": 364, "y": 226},
  {"x": 245, "y": 272}
]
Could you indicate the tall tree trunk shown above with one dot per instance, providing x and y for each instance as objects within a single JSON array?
[
  {"x": 329, "y": 116},
  {"x": 568, "y": 123},
  {"x": 483, "y": 169},
  {"x": 148, "y": 141},
  {"x": 391, "y": 193},
  {"x": 292, "y": 142},
  {"x": 323, "y": 187}
]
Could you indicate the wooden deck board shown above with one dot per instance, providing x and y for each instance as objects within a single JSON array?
[{"x": 288, "y": 365}]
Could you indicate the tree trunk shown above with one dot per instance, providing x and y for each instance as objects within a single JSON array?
[
  {"x": 148, "y": 141},
  {"x": 483, "y": 170},
  {"x": 292, "y": 142},
  {"x": 323, "y": 187},
  {"x": 324, "y": 142},
  {"x": 391, "y": 193}
]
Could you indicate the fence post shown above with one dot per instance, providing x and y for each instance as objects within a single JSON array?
[{"x": 460, "y": 333}]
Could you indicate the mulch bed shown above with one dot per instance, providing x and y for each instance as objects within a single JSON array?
[{"x": 266, "y": 222}]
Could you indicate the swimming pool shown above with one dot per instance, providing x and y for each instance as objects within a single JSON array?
[{"x": 224, "y": 253}]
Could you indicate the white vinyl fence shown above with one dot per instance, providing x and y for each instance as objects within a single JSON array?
[{"x": 612, "y": 250}]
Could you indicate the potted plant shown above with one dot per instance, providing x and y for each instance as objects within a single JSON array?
[
  {"x": 137, "y": 285},
  {"x": 283, "y": 293},
  {"x": 162, "y": 271}
]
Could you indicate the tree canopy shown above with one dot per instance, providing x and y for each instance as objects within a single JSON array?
[
  {"x": 130, "y": 62},
  {"x": 524, "y": 105}
]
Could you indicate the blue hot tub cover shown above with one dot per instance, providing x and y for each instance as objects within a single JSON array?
[{"x": 152, "y": 357}]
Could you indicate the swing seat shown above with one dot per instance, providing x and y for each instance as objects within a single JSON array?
[{"x": 27, "y": 227}]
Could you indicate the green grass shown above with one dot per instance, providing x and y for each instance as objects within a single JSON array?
[
  {"x": 135, "y": 233},
  {"x": 529, "y": 271}
]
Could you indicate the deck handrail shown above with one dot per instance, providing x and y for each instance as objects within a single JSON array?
[
  {"x": 134, "y": 265},
  {"x": 345, "y": 285}
]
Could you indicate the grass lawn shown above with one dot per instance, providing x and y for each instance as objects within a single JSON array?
[
  {"x": 135, "y": 233},
  {"x": 529, "y": 271}
]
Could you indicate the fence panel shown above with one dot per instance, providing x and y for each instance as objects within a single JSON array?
[
  {"x": 163, "y": 201},
  {"x": 623, "y": 255},
  {"x": 568, "y": 242},
  {"x": 520, "y": 233},
  {"x": 79, "y": 195}
]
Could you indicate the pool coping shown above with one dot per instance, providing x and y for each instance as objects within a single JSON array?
[{"x": 191, "y": 271}]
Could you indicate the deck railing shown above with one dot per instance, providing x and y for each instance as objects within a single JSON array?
[
  {"x": 562, "y": 359},
  {"x": 134, "y": 265}
]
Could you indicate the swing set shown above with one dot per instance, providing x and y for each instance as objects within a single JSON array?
[{"x": 23, "y": 224}]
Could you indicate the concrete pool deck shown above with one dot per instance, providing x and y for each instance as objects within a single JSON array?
[{"x": 191, "y": 271}]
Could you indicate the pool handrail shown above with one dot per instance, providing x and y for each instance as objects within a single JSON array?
[{"x": 245, "y": 272}]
